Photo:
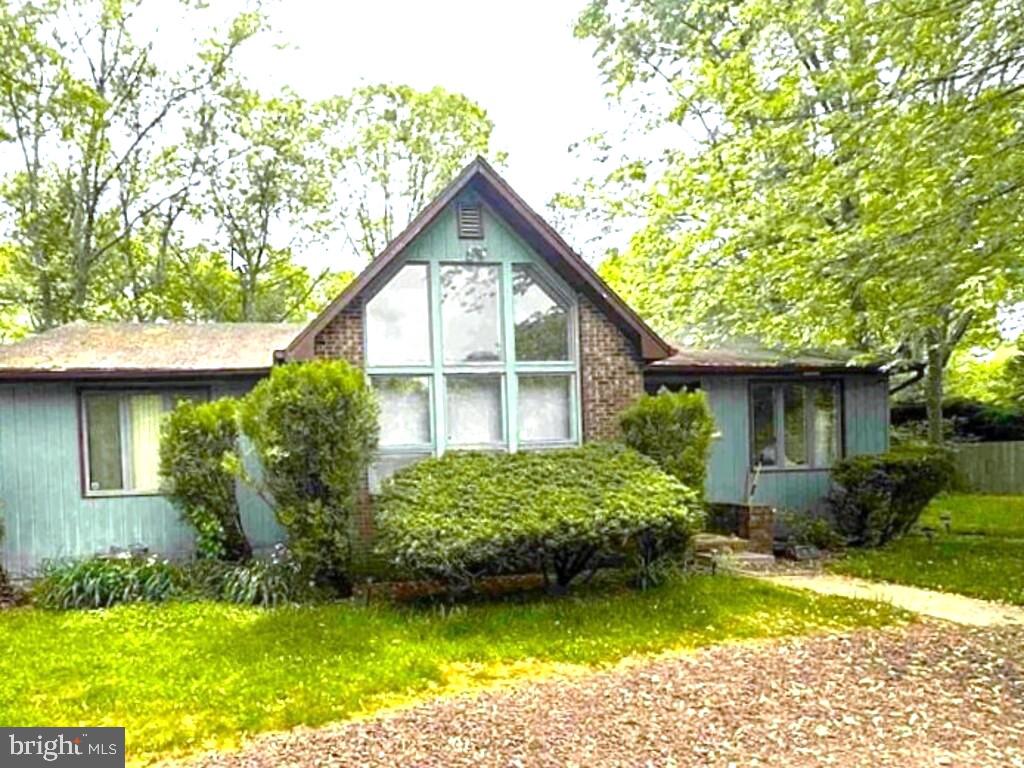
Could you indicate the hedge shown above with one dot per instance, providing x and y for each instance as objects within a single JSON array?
[
  {"x": 880, "y": 497},
  {"x": 469, "y": 514},
  {"x": 674, "y": 429},
  {"x": 198, "y": 446},
  {"x": 314, "y": 428}
]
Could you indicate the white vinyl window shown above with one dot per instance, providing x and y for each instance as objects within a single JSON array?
[
  {"x": 795, "y": 425},
  {"x": 121, "y": 439}
]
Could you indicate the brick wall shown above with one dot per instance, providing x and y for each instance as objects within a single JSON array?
[
  {"x": 611, "y": 373},
  {"x": 343, "y": 336}
]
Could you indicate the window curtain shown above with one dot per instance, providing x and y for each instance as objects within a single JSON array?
[
  {"x": 146, "y": 413},
  {"x": 544, "y": 407}
]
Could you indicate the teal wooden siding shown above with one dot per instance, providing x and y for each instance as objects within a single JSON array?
[
  {"x": 865, "y": 425},
  {"x": 45, "y": 513}
]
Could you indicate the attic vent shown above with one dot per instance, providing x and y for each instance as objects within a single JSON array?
[{"x": 470, "y": 221}]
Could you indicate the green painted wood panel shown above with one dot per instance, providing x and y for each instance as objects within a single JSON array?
[
  {"x": 866, "y": 428},
  {"x": 440, "y": 241},
  {"x": 45, "y": 513}
]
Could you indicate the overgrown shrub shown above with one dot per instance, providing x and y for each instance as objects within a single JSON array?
[
  {"x": 103, "y": 582},
  {"x": 198, "y": 447},
  {"x": 674, "y": 429},
  {"x": 466, "y": 515},
  {"x": 314, "y": 428},
  {"x": 815, "y": 530},
  {"x": 880, "y": 497},
  {"x": 263, "y": 582}
]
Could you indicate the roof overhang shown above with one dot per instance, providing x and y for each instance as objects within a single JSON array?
[
  {"x": 761, "y": 370},
  {"x": 480, "y": 177},
  {"x": 108, "y": 374}
]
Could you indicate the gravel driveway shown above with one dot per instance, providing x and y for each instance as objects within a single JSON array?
[{"x": 924, "y": 695}]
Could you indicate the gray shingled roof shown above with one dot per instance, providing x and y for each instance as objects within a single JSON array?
[
  {"x": 97, "y": 349},
  {"x": 754, "y": 358}
]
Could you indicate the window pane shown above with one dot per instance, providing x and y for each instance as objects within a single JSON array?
[
  {"x": 542, "y": 323},
  {"x": 825, "y": 421},
  {"x": 474, "y": 410},
  {"x": 796, "y": 425},
  {"x": 103, "y": 434},
  {"x": 471, "y": 313},
  {"x": 544, "y": 408},
  {"x": 145, "y": 412},
  {"x": 404, "y": 409},
  {"x": 398, "y": 320},
  {"x": 385, "y": 466},
  {"x": 765, "y": 450}
]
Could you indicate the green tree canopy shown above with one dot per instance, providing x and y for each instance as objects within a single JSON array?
[
  {"x": 397, "y": 148},
  {"x": 840, "y": 173}
]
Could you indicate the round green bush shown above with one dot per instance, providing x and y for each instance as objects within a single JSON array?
[
  {"x": 880, "y": 497},
  {"x": 674, "y": 429},
  {"x": 314, "y": 428},
  {"x": 465, "y": 515},
  {"x": 198, "y": 444}
]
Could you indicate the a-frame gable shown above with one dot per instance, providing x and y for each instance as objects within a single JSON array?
[{"x": 484, "y": 182}]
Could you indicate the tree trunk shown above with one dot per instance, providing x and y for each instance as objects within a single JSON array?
[{"x": 933, "y": 392}]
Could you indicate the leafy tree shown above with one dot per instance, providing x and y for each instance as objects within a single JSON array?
[
  {"x": 269, "y": 190},
  {"x": 99, "y": 189},
  {"x": 397, "y": 148},
  {"x": 1015, "y": 373},
  {"x": 856, "y": 179},
  {"x": 984, "y": 376}
]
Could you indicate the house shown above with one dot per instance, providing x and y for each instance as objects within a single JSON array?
[{"x": 478, "y": 326}]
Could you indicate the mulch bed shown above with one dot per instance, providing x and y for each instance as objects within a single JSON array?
[{"x": 924, "y": 695}]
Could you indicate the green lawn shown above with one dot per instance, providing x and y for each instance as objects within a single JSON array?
[
  {"x": 978, "y": 515},
  {"x": 989, "y": 568},
  {"x": 983, "y": 556},
  {"x": 189, "y": 676}
]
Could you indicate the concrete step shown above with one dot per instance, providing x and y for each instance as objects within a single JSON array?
[
  {"x": 736, "y": 561},
  {"x": 713, "y": 542}
]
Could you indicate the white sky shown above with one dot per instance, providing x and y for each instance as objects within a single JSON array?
[{"x": 520, "y": 61}]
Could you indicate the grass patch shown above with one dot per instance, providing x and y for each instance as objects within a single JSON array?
[
  {"x": 982, "y": 556},
  {"x": 978, "y": 515},
  {"x": 187, "y": 676},
  {"x": 987, "y": 567}
]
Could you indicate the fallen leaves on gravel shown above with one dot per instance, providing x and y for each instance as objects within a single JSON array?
[{"x": 922, "y": 695}]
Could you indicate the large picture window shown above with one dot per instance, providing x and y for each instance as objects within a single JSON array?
[
  {"x": 503, "y": 374},
  {"x": 121, "y": 439},
  {"x": 398, "y": 320},
  {"x": 471, "y": 313},
  {"x": 542, "y": 319},
  {"x": 795, "y": 425}
]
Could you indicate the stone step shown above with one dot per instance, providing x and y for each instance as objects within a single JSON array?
[
  {"x": 736, "y": 561},
  {"x": 713, "y": 542}
]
